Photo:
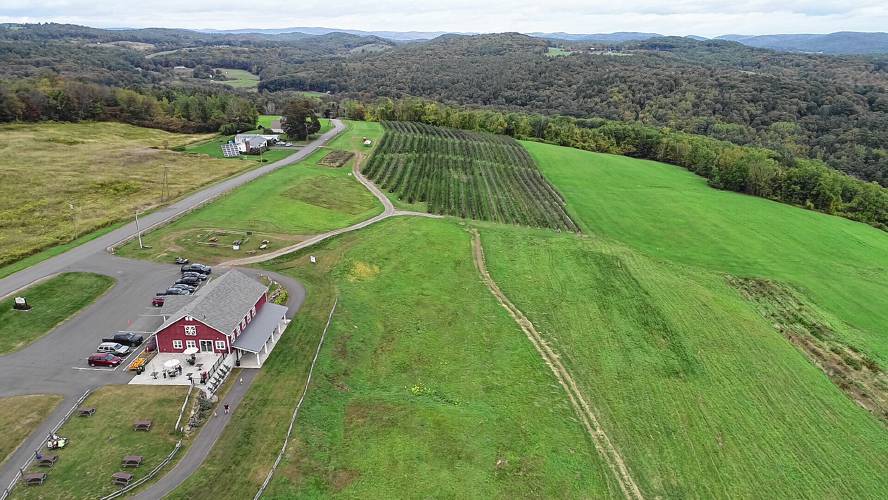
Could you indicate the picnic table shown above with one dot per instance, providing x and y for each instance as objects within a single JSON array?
[
  {"x": 121, "y": 478},
  {"x": 86, "y": 412},
  {"x": 132, "y": 460},
  {"x": 142, "y": 425},
  {"x": 47, "y": 461},
  {"x": 34, "y": 478}
]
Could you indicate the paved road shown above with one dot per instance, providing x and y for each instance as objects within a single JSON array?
[
  {"x": 56, "y": 363},
  {"x": 389, "y": 211},
  {"x": 200, "y": 448},
  {"x": 57, "y": 264}
]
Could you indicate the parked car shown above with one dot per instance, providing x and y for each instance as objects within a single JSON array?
[
  {"x": 176, "y": 291},
  {"x": 183, "y": 286},
  {"x": 104, "y": 359},
  {"x": 158, "y": 301},
  {"x": 192, "y": 274},
  {"x": 115, "y": 348},
  {"x": 197, "y": 268},
  {"x": 181, "y": 260},
  {"x": 127, "y": 339},
  {"x": 188, "y": 280}
]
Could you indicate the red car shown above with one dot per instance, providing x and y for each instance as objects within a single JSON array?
[
  {"x": 157, "y": 301},
  {"x": 104, "y": 359}
]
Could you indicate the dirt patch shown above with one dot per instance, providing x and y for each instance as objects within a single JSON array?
[
  {"x": 336, "y": 159},
  {"x": 341, "y": 478},
  {"x": 858, "y": 375}
]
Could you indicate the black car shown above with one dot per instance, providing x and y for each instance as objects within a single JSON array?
[
  {"x": 192, "y": 274},
  {"x": 197, "y": 268},
  {"x": 177, "y": 291},
  {"x": 188, "y": 281},
  {"x": 129, "y": 339},
  {"x": 183, "y": 286}
]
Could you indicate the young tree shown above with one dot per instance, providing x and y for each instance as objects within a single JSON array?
[{"x": 300, "y": 120}]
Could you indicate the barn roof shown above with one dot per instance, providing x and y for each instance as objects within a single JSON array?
[{"x": 221, "y": 303}]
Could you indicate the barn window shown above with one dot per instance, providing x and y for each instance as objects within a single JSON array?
[
  {"x": 177, "y": 344},
  {"x": 220, "y": 345},
  {"x": 191, "y": 343},
  {"x": 190, "y": 330}
]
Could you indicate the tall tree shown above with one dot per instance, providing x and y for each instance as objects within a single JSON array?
[{"x": 300, "y": 120}]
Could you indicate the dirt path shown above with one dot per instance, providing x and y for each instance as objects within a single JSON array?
[
  {"x": 389, "y": 210},
  {"x": 581, "y": 406}
]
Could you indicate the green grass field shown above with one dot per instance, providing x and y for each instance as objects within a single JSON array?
[
  {"x": 265, "y": 120},
  {"x": 99, "y": 443},
  {"x": 239, "y": 78},
  {"x": 557, "y": 52},
  {"x": 104, "y": 170},
  {"x": 669, "y": 213},
  {"x": 18, "y": 417},
  {"x": 282, "y": 207},
  {"x": 213, "y": 146},
  {"x": 52, "y": 301},
  {"x": 424, "y": 388},
  {"x": 701, "y": 395}
]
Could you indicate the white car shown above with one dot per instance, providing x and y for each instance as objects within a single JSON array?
[{"x": 113, "y": 348}]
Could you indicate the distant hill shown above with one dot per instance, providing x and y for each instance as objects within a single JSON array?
[
  {"x": 391, "y": 35},
  {"x": 843, "y": 42}
]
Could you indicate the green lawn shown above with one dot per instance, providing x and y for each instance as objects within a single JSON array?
[
  {"x": 669, "y": 213},
  {"x": 52, "y": 301},
  {"x": 557, "y": 52},
  {"x": 239, "y": 78},
  {"x": 424, "y": 388},
  {"x": 18, "y": 417},
  {"x": 282, "y": 207},
  {"x": 701, "y": 395},
  {"x": 54, "y": 250},
  {"x": 99, "y": 443},
  {"x": 213, "y": 146},
  {"x": 265, "y": 120}
]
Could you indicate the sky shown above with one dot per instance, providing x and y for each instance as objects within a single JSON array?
[{"x": 677, "y": 17}]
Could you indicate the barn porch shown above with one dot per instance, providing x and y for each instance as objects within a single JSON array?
[{"x": 254, "y": 345}]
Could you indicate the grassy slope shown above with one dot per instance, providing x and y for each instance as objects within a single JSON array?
[
  {"x": 52, "y": 302},
  {"x": 104, "y": 169},
  {"x": 423, "y": 384},
  {"x": 54, "y": 250},
  {"x": 100, "y": 442},
  {"x": 301, "y": 199},
  {"x": 701, "y": 395},
  {"x": 239, "y": 78},
  {"x": 670, "y": 213},
  {"x": 18, "y": 417}
]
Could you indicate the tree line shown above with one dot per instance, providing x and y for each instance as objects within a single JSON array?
[
  {"x": 775, "y": 175},
  {"x": 176, "y": 110}
]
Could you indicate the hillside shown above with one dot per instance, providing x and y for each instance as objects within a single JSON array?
[
  {"x": 831, "y": 108},
  {"x": 844, "y": 42}
]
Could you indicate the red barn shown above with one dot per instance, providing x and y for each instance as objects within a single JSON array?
[{"x": 228, "y": 315}]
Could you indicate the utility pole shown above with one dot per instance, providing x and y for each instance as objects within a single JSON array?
[
  {"x": 138, "y": 229},
  {"x": 74, "y": 217}
]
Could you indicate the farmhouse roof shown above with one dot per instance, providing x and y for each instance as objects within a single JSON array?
[{"x": 221, "y": 303}]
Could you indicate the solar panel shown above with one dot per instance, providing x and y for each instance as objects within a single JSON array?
[{"x": 229, "y": 150}]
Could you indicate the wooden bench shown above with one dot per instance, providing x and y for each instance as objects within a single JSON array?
[
  {"x": 142, "y": 425},
  {"x": 86, "y": 412},
  {"x": 121, "y": 478},
  {"x": 47, "y": 461},
  {"x": 132, "y": 461},
  {"x": 34, "y": 478}
]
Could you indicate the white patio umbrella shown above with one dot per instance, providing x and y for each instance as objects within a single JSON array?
[
  {"x": 171, "y": 364},
  {"x": 190, "y": 351}
]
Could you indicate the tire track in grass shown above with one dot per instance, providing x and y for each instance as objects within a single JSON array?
[{"x": 581, "y": 406}]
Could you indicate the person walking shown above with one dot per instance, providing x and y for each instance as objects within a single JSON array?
[
  {"x": 226, "y": 408},
  {"x": 241, "y": 381}
]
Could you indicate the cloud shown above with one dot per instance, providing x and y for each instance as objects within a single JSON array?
[{"x": 679, "y": 17}]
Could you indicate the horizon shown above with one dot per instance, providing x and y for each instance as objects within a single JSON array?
[{"x": 707, "y": 18}]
